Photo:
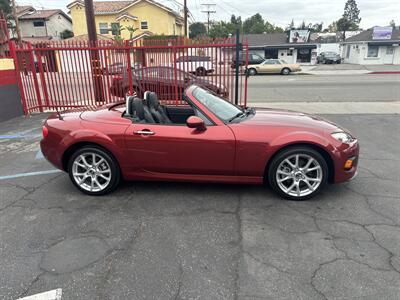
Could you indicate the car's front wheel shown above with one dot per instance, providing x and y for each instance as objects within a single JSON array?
[
  {"x": 285, "y": 71},
  {"x": 298, "y": 173},
  {"x": 94, "y": 171}
]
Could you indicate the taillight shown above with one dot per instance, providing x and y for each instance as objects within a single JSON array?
[{"x": 45, "y": 132}]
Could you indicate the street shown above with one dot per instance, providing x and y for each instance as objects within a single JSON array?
[
  {"x": 324, "y": 88},
  {"x": 153, "y": 240}
]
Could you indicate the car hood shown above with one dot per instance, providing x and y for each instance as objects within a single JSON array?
[{"x": 293, "y": 119}]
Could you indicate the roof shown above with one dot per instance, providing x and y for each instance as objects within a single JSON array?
[
  {"x": 366, "y": 36},
  {"x": 263, "y": 39},
  {"x": 21, "y": 10},
  {"x": 85, "y": 38},
  {"x": 126, "y": 15},
  {"x": 114, "y": 7},
  {"x": 43, "y": 14}
]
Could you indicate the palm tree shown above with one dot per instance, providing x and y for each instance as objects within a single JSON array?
[{"x": 131, "y": 30}]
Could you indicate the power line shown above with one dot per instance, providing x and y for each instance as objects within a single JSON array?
[{"x": 208, "y": 10}]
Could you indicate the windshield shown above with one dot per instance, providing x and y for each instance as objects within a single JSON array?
[{"x": 223, "y": 109}]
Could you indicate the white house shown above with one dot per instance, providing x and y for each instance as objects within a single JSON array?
[
  {"x": 44, "y": 23},
  {"x": 367, "y": 48}
]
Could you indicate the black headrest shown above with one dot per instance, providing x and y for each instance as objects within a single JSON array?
[
  {"x": 139, "y": 109},
  {"x": 129, "y": 105},
  {"x": 153, "y": 100}
]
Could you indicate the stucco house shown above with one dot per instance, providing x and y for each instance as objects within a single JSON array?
[
  {"x": 367, "y": 49},
  {"x": 277, "y": 45},
  {"x": 147, "y": 16},
  {"x": 42, "y": 24}
]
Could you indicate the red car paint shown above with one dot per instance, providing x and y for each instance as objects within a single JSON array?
[{"x": 230, "y": 153}]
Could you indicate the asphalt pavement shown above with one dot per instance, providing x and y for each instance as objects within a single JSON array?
[
  {"x": 152, "y": 240},
  {"x": 324, "y": 88}
]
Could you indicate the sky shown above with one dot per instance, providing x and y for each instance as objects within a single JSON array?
[{"x": 278, "y": 12}]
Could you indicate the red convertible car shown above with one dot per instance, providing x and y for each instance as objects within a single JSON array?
[{"x": 206, "y": 140}]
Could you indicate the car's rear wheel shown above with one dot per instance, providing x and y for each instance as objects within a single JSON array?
[
  {"x": 298, "y": 173},
  {"x": 285, "y": 71},
  {"x": 252, "y": 72},
  {"x": 94, "y": 171}
]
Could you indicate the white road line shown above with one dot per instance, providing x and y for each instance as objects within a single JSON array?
[
  {"x": 49, "y": 295},
  {"x": 29, "y": 174}
]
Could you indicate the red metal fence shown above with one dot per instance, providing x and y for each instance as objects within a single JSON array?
[
  {"x": 69, "y": 74},
  {"x": 73, "y": 74}
]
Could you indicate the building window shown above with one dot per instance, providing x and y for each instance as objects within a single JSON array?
[
  {"x": 38, "y": 24},
  {"x": 144, "y": 25},
  {"x": 115, "y": 29},
  {"x": 373, "y": 51},
  {"x": 290, "y": 52},
  {"x": 103, "y": 28}
]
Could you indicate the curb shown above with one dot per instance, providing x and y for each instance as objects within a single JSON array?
[{"x": 385, "y": 72}]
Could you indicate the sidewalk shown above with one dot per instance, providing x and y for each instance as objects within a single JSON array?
[
  {"x": 335, "y": 108},
  {"x": 350, "y": 69}
]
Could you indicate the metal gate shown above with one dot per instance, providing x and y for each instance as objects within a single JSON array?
[{"x": 70, "y": 74}]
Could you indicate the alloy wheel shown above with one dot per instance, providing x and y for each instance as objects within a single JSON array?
[
  {"x": 299, "y": 175},
  {"x": 91, "y": 172}
]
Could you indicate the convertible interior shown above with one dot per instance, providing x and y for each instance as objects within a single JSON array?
[{"x": 149, "y": 110}]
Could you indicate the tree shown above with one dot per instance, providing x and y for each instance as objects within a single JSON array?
[
  {"x": 236, "y": 20},
  {"x": 343, "y": 25},
  {"x": 393, "y": 24},
  {"x": 131, "y": 30},
  {"x": 5, "y": 6},
  {"x": 291, "y": 25},
  {"x": 352, "y": 14},
  {"x": 254, "y": 24},
  {"x": 66, "y": 34},
  {"x": 331, "y": 27},
  {"x": 197, "y": 29}
]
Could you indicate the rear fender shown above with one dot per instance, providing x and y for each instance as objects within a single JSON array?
[{"x": 94, "y": 137}]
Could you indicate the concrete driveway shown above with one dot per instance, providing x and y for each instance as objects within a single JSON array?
[{"x": 200, "y": 241}]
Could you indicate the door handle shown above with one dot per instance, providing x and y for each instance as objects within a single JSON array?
[{"x": 144, "y": 132}]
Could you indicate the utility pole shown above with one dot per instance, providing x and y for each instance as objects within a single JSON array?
[
  {"x": 94, "y": 54},
  {"x": 14, "y": 13},
  {"x": 185, "y": 16},
  {"x": 208, "y": 10}
]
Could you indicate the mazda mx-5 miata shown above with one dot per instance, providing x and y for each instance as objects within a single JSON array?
[{"x": 208, "y": 139}]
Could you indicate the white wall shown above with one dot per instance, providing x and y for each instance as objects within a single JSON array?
[
  {"x": 359, "y": 52},
  {"x": 28, "y": 30},
  {"x": 57, "y": 24},
  {"x": 290, "y": 59},
  {"x": 53, "y": 27},
  {"x": 330, "y": 47}
]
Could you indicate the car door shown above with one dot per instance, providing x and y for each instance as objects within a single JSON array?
[
  {"x": 267, "y": 66},
  {"x": 178, "y": 149}
]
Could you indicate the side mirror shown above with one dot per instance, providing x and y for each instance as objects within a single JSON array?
[{"x": 195, "y": 122}]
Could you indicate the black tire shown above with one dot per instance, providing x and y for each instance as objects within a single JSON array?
[
  {"x": 201, "y": 71},
  {"x": 288, "y": 152},
  {"x": 112, "y": 163},
  {"x": 285, "y": 71},
  {"x": 252, "y": 72}
]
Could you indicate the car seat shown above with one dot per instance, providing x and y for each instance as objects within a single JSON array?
[{"x": 157, "y": 111}]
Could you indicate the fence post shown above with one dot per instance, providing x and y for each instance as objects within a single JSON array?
[
  {"x": 128, "y": 54},
  {"x": 237, "y": 56},
  {"x": 42, "y": 79},
  {"x": 175, "y": 77},
  {"x": 13, "y": 52},
  {"x": 35, "y": 80}
]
